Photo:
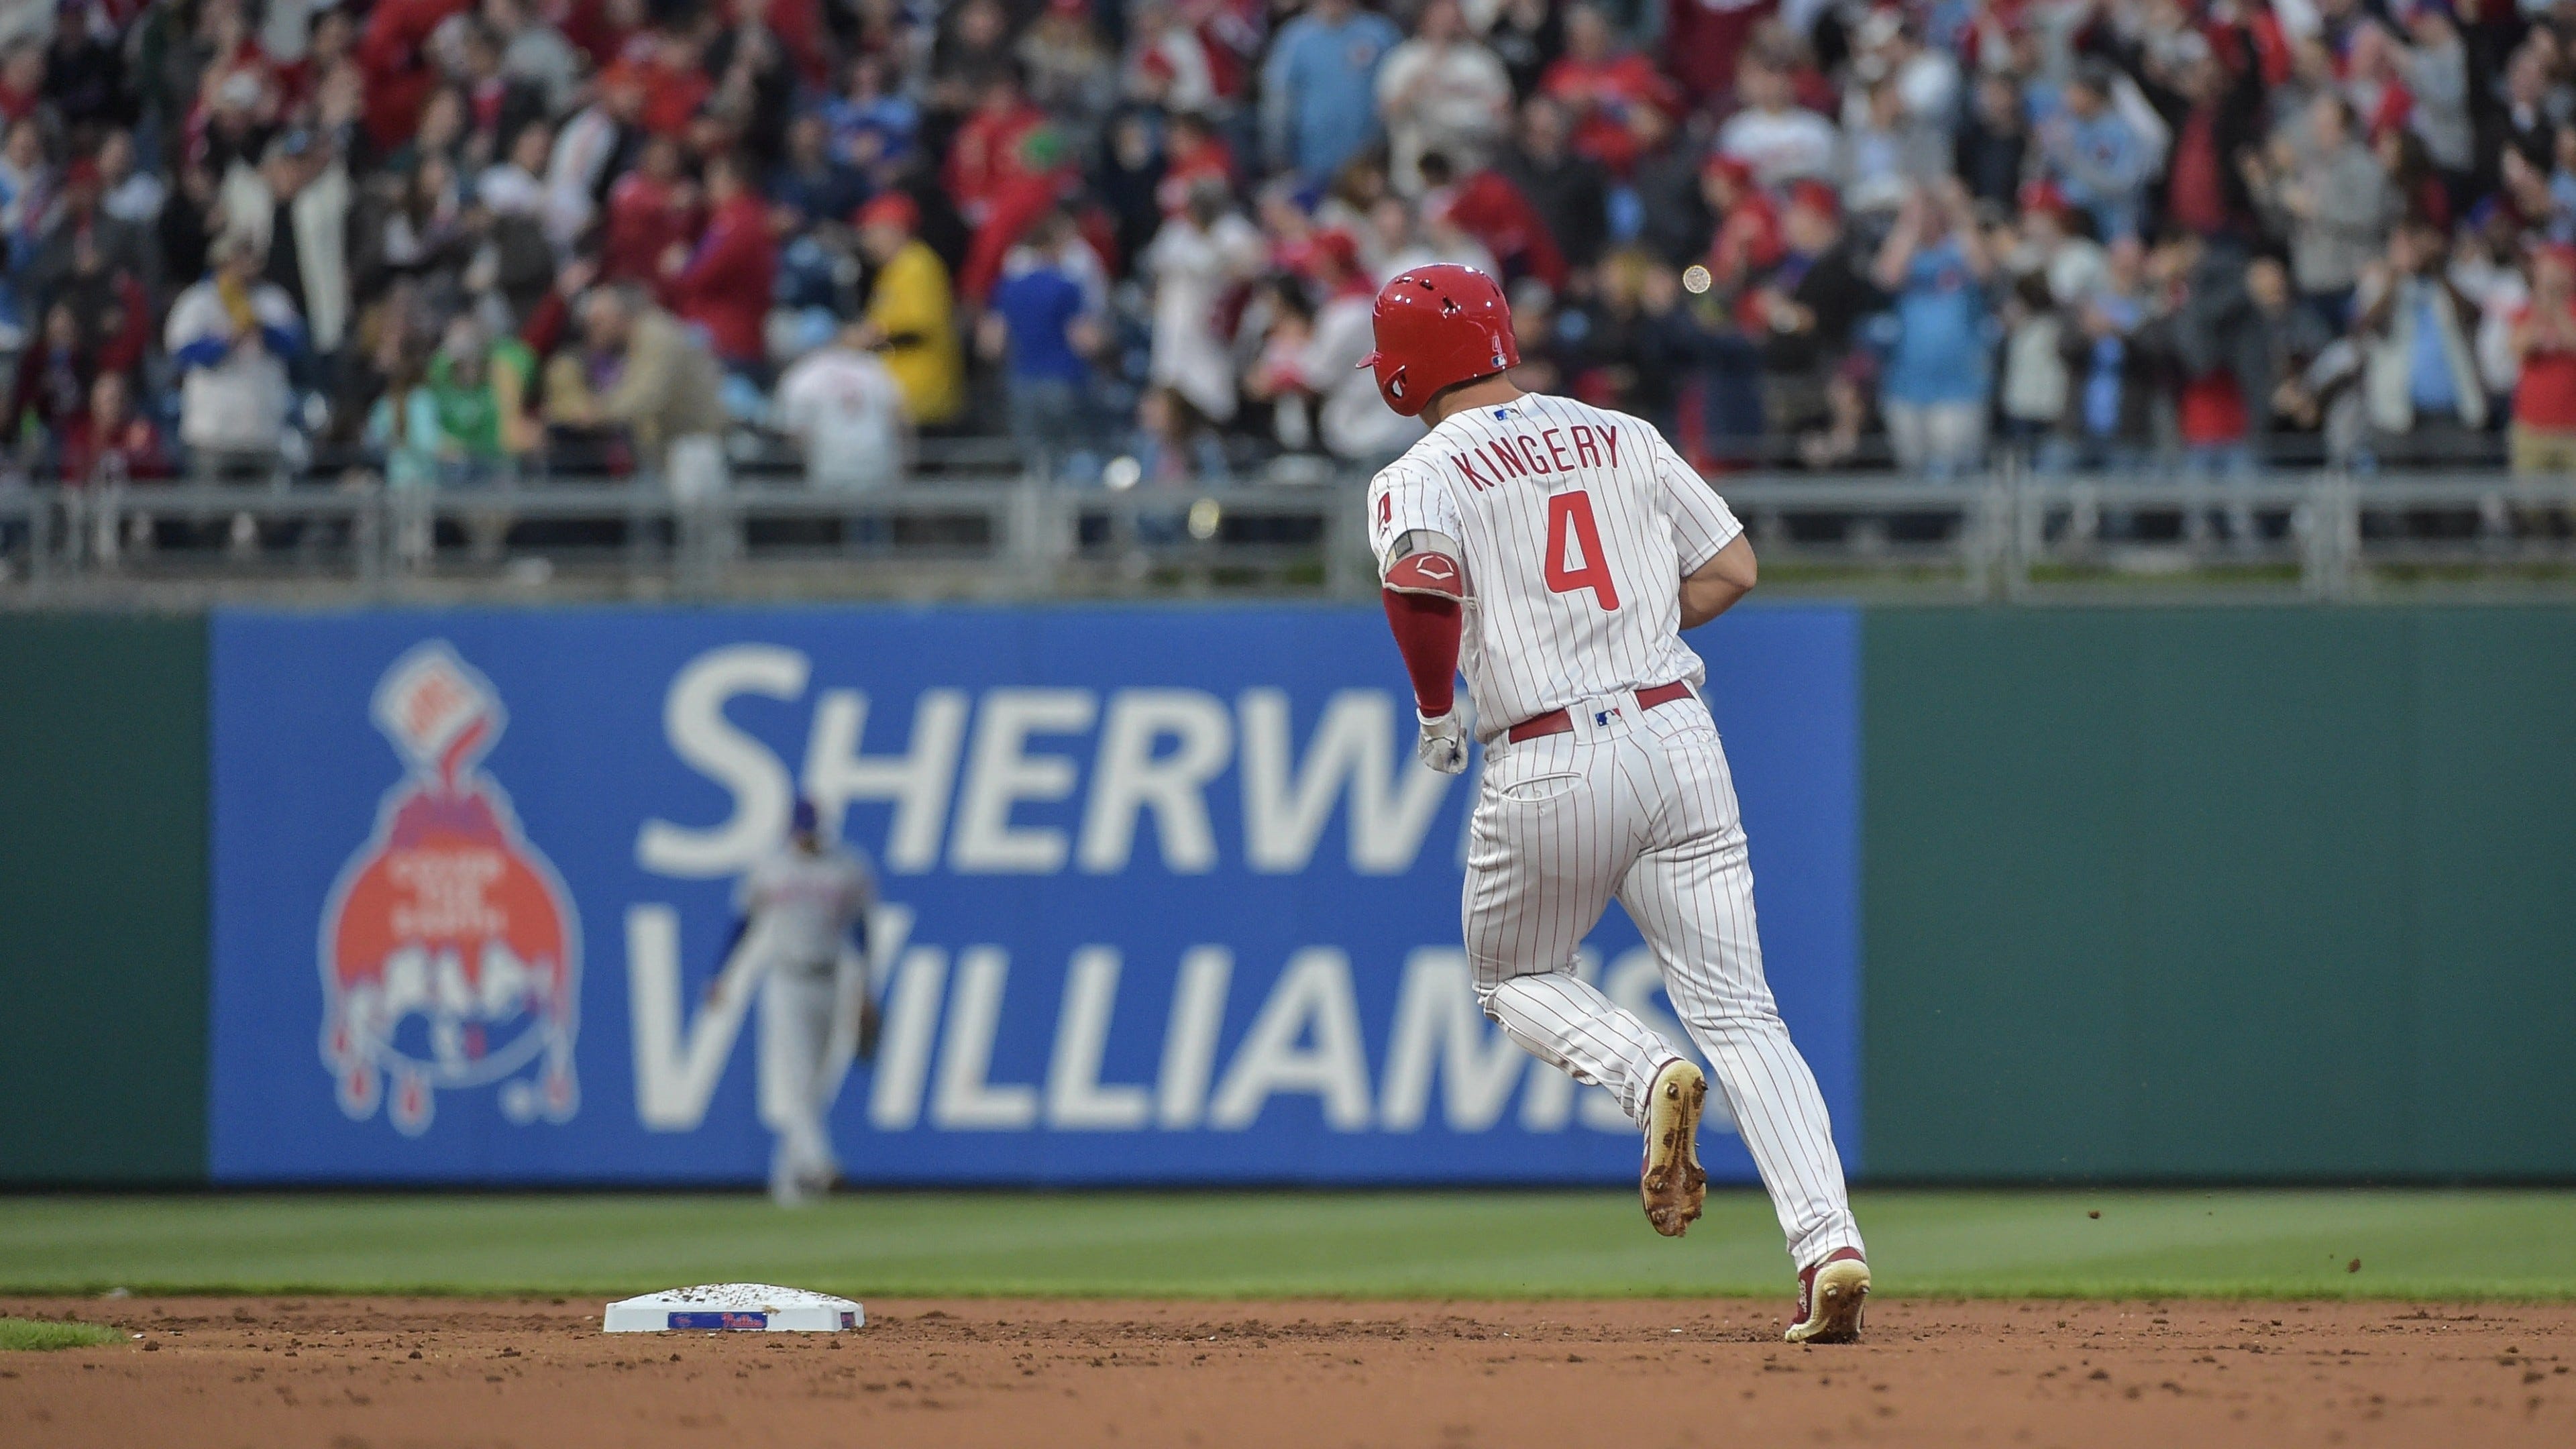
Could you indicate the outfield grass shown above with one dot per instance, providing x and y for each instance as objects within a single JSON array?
[
  {"x": 2410, "y": 1244},
  {"x": 26, "y": 1335}
]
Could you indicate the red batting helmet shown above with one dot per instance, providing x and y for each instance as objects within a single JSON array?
[{"x": 1439, "y": 326}]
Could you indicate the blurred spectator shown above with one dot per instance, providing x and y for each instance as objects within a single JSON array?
[
  {"x": 1045, "y": 326},
  {"x": 755, "y": 78},
  {"x": 1993, "y": 140},
  {"x": 651, "y": 209},
  {"x": 1887, "y": 150},
  {"x": 2544, "y": 344},
  {"x": 534, "y": 54},
  {"x": 1168, "y": 62},
  {"x": 988, "y": 152},
  {"x": 1602, "y": 86},
  {"x": 1779, "y": 139},
  {"x": 971, "y": 51},
  {"x": 1198, "y": 257},
  {"x": 812, "y": 184},
  {"x": 873, "y": 127},
  {"x": 300, "y": 211},
  {"x": 1525, "y": 35},
  {"x": 2036, "y": 383},
  {"x": 2434, "y": 70},
  {"x": 2110, "y": 344},
  {"x": 127, "y": 194},
  {"x": 1491, "y": 210},
  {"x": 587, "y": 152},
  {"x": 2332, "y": 200},
  {"x": 2300, "y": 355},
  {"x": 22, "y": 79},
  {"x": 1567, "y": 191},
  {"x": 110, "y": 442},
  {"x": 1319, "y": 87},
  {"x": 1071, "y": 73},
  {"x": 847, "y": 415},
  {"x": 665, "y": 391},
  {"x": 1173, "y": 446},
  {"x": 909, "y": 318},
  {"x": 2420, "y": 372},
  {"x": 1805, "y": 311},
  {"x": 88, "y": 256},
  {"x": 2094, "y": 155},
  {"x": 53, "y": 377},
  {"x": 1748, "y": 240},
  {"x": 231, "y": 337},
  {"x": 479, "y": 389},
  {"x": 1441, "y": 92},
  {"x": 2222, "y": 364},
  {"x": 402, "y": 428},
  {"x": 2215, "y": 116},
  {"x": 1933, "y": 390},
  {"x": 1661, "y": 208},
  {"x": 1354, "y": 423},
  {"x": 724, "y": 283},
  {"x": 1704, "y": 40}
]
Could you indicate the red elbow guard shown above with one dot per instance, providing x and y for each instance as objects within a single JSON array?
[
  {"x": 1427, "y": 573},
  {"x": 1427, "y": 628}
]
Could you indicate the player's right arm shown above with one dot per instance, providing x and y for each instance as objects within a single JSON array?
[
  {"x": 1422, "y": 574},
  {"x": 1713, "y": 587},
  {"x": 1716, "y": 558}
]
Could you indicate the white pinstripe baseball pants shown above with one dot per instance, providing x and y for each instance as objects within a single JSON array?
[{"x": 1640, "y": 803}]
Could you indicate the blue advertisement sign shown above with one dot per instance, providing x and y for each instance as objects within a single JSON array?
[{"x": 1165, "y": 897}]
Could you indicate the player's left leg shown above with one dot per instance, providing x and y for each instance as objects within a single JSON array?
[
  {"x": 1550, "y": 836},
  {"x": 795, "y": 1039},
  {"x": 1691, "y": 894}
]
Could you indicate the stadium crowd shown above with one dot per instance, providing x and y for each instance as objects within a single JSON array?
[{"x": 446, "y": 240}]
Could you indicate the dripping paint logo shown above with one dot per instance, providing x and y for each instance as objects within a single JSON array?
[{"x": 451, "y": 956}]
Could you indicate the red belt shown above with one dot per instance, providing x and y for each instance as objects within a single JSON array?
[{"x": 1557, "y": 722}]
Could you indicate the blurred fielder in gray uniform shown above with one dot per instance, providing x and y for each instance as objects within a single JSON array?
[{"x": 803, "y": 938}]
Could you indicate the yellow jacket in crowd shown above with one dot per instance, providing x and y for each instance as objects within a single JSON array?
[{"x": 911, "y": 312}]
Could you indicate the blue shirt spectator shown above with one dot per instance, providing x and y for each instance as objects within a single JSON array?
[
  {"x": 1940, "y": 350},
  {"x": 1043, "y": 323},
  {"x": 810, "y": 181},
  {"x": 2429, "y": 384},
  {"x": 1039, "y": 307},
  {"x": 2097, "y": 158},
  {"x": 1319, "y": 86}
]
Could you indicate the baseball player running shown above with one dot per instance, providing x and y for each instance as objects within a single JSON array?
[
  {"x": 799, "y": 909},
  {"x": 1553, "y": 552}
]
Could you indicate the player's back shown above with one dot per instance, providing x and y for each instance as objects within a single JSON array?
[{"x": 1576, "y": 524}]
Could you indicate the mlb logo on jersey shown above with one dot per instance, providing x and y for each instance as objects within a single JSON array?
[{"x": 450, "y": 950}]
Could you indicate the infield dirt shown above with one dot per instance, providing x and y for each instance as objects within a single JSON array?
[{"x": 395, "y": 1374}]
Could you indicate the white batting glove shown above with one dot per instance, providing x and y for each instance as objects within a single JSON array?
[{"x": 1443, "y": 745}]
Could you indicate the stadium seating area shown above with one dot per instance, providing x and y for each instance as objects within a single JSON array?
[{"x": 442, "y": 245}]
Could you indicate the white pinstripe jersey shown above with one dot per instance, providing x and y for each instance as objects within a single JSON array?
[{"x": 1578, "y": 524}]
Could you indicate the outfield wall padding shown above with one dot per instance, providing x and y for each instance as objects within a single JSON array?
[
  {"x": 2220, "y": 894},
  {"x": 2145, "y": 895},
  {"x": 102, "y": 899}
]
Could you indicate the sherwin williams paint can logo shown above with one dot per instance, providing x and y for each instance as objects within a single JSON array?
[{"x": 451, "y": 953}]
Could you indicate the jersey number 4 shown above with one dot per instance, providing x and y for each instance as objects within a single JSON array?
[{"x": 1574, "y": 557}]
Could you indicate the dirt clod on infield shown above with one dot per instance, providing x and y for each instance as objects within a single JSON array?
[{"x": 394, "y": 1374}]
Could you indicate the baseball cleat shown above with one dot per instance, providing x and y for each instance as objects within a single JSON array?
[
  {"x": 1672, "y": 1183},
  {"x": 1830, "y": 1296}
]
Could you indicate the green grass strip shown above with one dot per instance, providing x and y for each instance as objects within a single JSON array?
[
  {"x": 26, "y": 1335},
  {"x": 2419, "y": 1245}
]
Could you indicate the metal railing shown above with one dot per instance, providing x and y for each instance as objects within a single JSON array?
[{"x": 2001, "y": 536}]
